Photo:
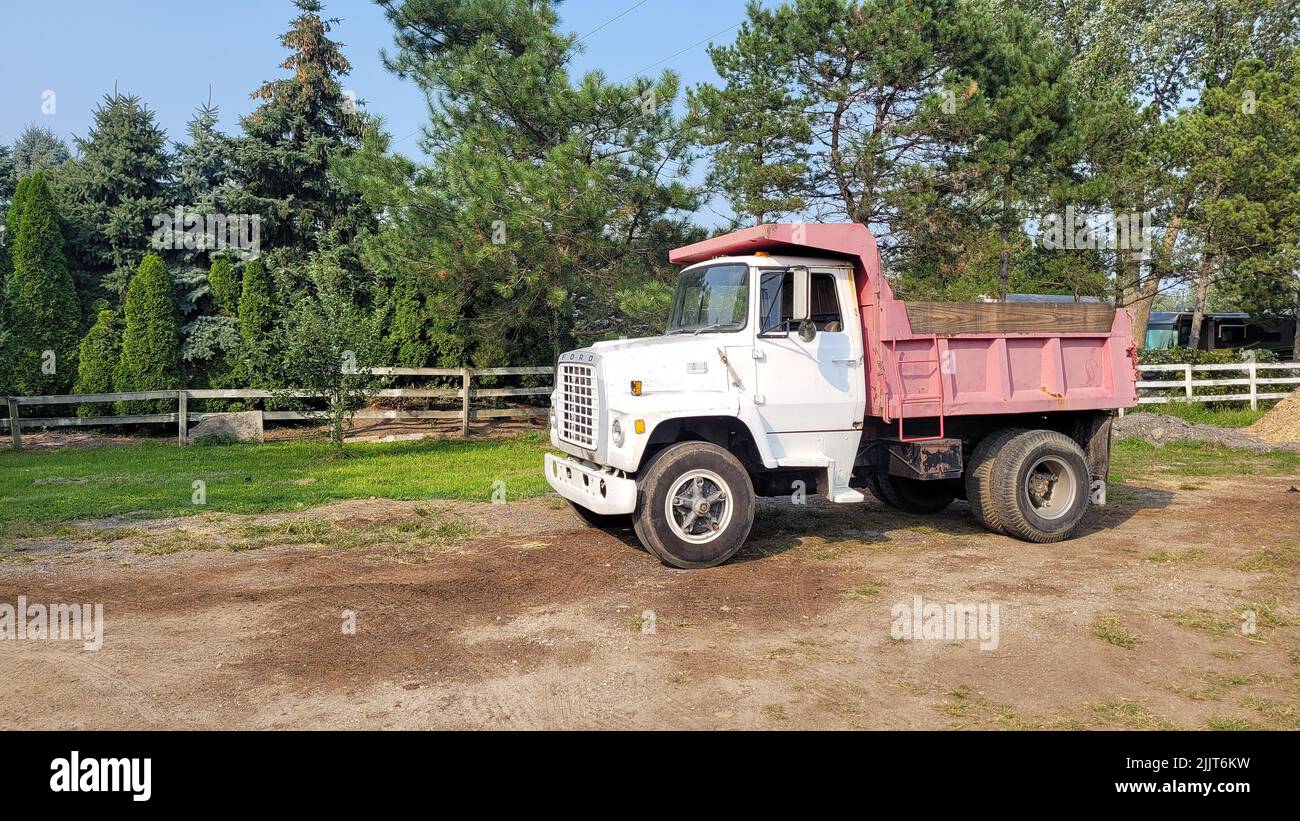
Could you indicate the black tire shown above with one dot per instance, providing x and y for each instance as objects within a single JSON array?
[
  {"x": 911, "y": 495},
  {"x": 601, "y": 520},
  {"x": 703, "y": 470},
  {"x": 1040, "y": 486},
  {"x": 979, "y": 485}
]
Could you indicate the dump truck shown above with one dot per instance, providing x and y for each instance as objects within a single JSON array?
[{"x": 788, "y": 369}]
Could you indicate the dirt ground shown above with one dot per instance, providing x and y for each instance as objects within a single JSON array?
[{"x": 513, "y": 616}]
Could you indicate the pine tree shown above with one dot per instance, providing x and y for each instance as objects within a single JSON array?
[
  {"x": 523, "y": 249},
  {"x": 150, "y": 359},
  {"x": 756, "y": 129},
  {"x": 112, "y": 191},
  {"x": 304, "y": 123},
  {"x": 42, "y": 300},
  {"x": 98, "y": 356}
]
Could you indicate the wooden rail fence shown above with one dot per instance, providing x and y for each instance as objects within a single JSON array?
[
  {"x": 466, "y": 393},
  {"x": 1186, "y": 381}
]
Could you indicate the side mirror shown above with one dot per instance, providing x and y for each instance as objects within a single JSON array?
[{"x": 802, "y": 294}]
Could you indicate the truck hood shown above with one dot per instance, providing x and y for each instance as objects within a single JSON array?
[{"x": 664, "y": 364}]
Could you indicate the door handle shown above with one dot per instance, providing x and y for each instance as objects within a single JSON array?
[{"x": 852, "y": 361}]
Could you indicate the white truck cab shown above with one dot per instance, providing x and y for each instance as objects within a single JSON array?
[{"x": 758, "y": 377}]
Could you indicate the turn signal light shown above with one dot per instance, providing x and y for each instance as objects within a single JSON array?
[
  {"x": 636, "y": 387},
  {"x": 639, "y": 425}
]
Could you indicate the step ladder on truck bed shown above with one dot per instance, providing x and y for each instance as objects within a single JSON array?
[{"x": 923, "y": 397}]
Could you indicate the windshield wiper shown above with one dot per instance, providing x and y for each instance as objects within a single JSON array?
[{"x": 703, "y": 328}]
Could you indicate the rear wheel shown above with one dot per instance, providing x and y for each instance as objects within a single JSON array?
[
  {"x": 910, "y": 495},
  {"x": 603, "y": 521},
  {"x": 1040, "y": 483},
  {"x": 979, "y": 470},
  {"x": 695, "y": 505}
]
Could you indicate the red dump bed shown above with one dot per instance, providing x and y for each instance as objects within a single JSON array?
[{"x": 927, "y": 359}]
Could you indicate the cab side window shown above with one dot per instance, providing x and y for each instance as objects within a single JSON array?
[{"x": 776, "y": 301}]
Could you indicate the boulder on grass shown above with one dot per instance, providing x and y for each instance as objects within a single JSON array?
[{"x": 229, "y": 427}]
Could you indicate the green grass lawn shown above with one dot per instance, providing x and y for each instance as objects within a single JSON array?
[
  {"x": 40, "y": 489},
  {"x": 1135, "y": 459},
  {"x": 1207, "y": 413},
  {"x": 157, "y": 478}
]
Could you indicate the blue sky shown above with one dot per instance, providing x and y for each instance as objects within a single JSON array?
[{"x": 170, "y": 53}]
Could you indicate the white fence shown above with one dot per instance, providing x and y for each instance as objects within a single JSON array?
[
  {"x": 1257, "y": 387},
  {"x": 466, "y": 393}
]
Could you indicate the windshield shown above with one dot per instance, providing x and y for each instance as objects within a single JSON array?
[{"x": 712, "y": 298}]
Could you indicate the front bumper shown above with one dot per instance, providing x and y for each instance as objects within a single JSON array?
[{"x": 590, "y": 487}]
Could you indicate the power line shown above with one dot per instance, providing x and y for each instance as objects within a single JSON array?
[
  {"x": 672, "y": 56},
  {"x": 680, "y": 53},
  {"x": 612, "y": 19}
]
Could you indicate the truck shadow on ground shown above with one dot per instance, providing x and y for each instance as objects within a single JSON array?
[
  {"x": 1122, "y": 504},
  {"x": 781, "y": 525}
]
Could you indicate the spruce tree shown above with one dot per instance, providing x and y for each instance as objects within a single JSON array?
[
  {"x": 204, "y": 166},
  {"x": 97, "y": 358},
  {"x": 42, "y": 300},
  {"x": 304, "y": 123},
  {"x": 36, "y": 149},
  {"x": 151, "y": 358},
  {"x": 112, "y": 191}
]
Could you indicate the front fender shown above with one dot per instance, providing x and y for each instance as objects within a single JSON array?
[{"x": 657, "y": 409}]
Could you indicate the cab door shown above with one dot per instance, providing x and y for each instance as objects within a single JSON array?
[{"x": 808, "y": 385}]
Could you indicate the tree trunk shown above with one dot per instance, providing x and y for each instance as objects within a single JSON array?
[
  {"x": 1004, "y": 263},
  {"x": 1203, "y": 278},
  {"x": 1202, "y": 291},
  {"x": 1160, "y": 267},
  {"x": 1295, "y": 346}
]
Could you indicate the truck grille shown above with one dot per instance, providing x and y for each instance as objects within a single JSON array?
[{"x": 579, "y": 405}]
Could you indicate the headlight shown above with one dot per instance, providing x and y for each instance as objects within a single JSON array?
[{"x": 617, "y": 431}]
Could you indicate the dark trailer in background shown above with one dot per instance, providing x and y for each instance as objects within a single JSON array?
[{"x": 1221, "y": 330}]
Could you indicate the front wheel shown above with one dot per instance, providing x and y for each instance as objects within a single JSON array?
[{"x": 695, "y": 505}]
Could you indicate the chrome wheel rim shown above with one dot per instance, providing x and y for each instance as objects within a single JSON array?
[
  {"x": 1050, "y": 487},
  {"x": 699, "y": 508}
]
